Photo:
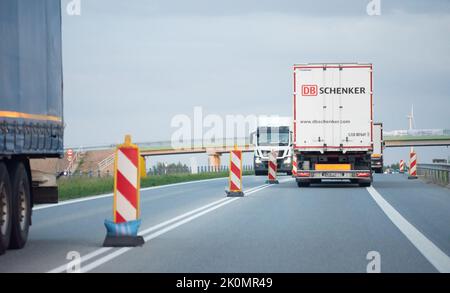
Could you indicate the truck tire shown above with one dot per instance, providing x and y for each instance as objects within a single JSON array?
[
  {"x": 303, "y": 184},
  {"x": 21, "y": 206},
  {"x": 365, "y": 184},
  {"x": 260, "y": 173},
  {"x": 5, "y": 208}
]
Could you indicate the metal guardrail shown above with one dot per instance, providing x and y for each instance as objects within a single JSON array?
[{"x": 436, "y": 173}]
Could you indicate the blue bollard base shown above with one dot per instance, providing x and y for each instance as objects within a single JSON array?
[
  {"x": 412, "y": 177},
  {"x": 123, "y": 241},
  {"x": 234, "y": 193},
  {"x": 272, "y": 182}
]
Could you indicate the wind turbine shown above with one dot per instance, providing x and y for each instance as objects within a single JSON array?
[
  {"x": 411, "y": 122},
  {"x": 411, "y": 118}
]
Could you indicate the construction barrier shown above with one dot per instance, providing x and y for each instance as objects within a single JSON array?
[
  {"x": 412, "y": 165},
  {"x": 235, "y": 178},
  {"x": 272, "y": 166},
  {"x": 122, "y": 231},
  {"x": 294, "y": 166},
  {"x": 402, "y": 166}
]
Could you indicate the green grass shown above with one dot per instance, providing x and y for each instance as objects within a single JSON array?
[{"x": 77, "y": 187}]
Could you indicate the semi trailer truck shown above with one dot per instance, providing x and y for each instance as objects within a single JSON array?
[
  {"x": 31, "y": 111},
  {"x": 378, "y": 146},
  {"x": 273, "y": 133},
  {"x": 333, "y": 121}
]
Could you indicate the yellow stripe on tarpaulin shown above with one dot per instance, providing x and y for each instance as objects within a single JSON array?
[
  {"x": 334, "y": 167},
  {"x": 12, "y": 114}
]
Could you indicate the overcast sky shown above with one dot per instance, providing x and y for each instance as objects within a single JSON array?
[{"x": 130, "y": 66}]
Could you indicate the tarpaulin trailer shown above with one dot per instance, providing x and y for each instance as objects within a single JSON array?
[{"x": 31, "y": 110}]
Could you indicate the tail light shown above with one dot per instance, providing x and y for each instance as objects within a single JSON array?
[
  {"x": 304, "y": 174},
  {"x": 363, "y": 174}
]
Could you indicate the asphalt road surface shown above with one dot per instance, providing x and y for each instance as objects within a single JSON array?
[{"x": 398, "y": 225}]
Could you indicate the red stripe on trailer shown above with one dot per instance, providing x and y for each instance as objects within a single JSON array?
[{"x": 126, "y": 189}]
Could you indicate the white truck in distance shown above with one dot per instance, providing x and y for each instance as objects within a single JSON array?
[
  {"x": 378, "y": 146},
  {"x": 333, "y": 123},
  {"x": 272, "y": 133}
]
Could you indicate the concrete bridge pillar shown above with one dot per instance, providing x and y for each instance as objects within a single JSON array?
[{"x": 214, "y": 160}]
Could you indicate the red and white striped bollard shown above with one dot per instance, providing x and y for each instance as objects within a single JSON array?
[
  {"x": 235, "y": 177},
  {"x": 272, "y": 168},
  {"x": 412, "y": 165}
]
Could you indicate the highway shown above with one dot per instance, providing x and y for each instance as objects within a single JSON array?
[{"x": 193, "y": 227}]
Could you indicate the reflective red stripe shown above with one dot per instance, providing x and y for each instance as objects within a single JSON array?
[
  {"x": 132, "y": 155},
  {"x": 119, "y": 218},
  {"x": 126, "y": 189}
]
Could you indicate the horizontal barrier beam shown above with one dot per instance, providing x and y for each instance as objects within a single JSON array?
[{"x": 435, "y": 173}]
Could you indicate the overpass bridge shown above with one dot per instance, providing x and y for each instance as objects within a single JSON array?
[
  {"x": 417, "y": 137},
  {"x": 214, "y": 149}
]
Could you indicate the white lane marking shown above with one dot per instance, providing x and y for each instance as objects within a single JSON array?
[
  {"x": 121, "y": 251},
  {"x": 127, "y": 168},
  {"x": 73, "y": 201},
  {"x": 87, "y": 257},
  {"x": 106, "y": 258},
  {"x": 428, "y": 249}
]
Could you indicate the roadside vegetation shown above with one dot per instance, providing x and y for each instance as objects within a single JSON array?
[{"x": 83, "y": 186}]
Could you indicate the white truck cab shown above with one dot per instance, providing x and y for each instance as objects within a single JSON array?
[{"x": 273, "y": 133}]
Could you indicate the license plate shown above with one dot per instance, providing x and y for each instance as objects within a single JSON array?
[{"x": 331, "y": 174}]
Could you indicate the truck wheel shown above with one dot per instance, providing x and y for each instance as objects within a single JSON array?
[
  {"x": 365, "y": 184},
  {"x": 21, "y": 206},
  {"x": 260, "y": 173},
  {"x": 5, "y": 208},
  {"x": 302, "y": 184}
]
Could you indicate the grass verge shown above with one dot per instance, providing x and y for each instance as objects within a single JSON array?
[{"x": 77, "y": 187}]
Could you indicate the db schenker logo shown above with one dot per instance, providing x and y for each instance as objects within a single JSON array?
[{"x": 309, "y": 90}]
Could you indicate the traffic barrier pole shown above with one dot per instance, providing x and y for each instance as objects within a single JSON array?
[
  {"x": 412, "y": 165},
  {"x": 272, "y": 166},
  {"x": 235, "y": 177},
  {"x": 402, "y": 166},
  {"x": 122, "y": 231},
  {"x": 294, "y": 166}
]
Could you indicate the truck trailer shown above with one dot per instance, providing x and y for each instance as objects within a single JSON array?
[
  {"x": 333, "y": 123},
  {"x": 31, "y": 111}
]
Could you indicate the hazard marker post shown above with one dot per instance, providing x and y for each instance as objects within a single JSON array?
[
  {"x": 123, "y": 230},
  {"x": 412, "y": 165},
  {"x": 272, "y": 166},
  {"x": 402, "y": 166},
  {"x": 294, "y": 166},
  {"x": 235, "y": 177}
]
